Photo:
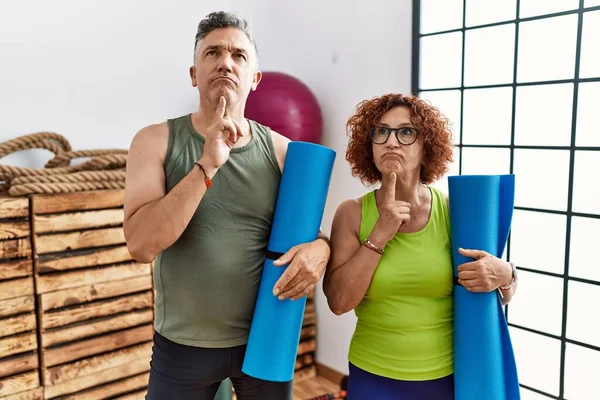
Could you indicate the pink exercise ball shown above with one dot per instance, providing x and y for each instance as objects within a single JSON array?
[{"x": 287, "y": 106}]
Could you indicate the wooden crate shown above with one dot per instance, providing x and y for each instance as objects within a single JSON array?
[
  {"x": 19, "y": 373},
  {"x": 95, "y": 303},
  {"x": 305, "y": 359}
]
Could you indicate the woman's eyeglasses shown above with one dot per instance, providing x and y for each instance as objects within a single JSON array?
[{"x": 405, "y": 135}]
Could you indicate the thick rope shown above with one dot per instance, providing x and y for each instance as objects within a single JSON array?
[
  {"x": 54, "y": 142},
  {"x": 63, "y": 159},
  {"x": 104, "y": 170},
  {"x": 76, "y": 177},
  {"x": 108, "y": 161},
  {"x": 31, "y": 188}
]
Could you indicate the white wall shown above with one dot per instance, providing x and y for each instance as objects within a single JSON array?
[{"x": 98, "y": 73}]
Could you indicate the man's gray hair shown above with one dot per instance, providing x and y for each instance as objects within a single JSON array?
[{"x": 222, "y": 19}]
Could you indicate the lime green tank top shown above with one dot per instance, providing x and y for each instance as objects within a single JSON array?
[
  {"x": 405, "y": 327},
  {"x": 207, "y": 282}
]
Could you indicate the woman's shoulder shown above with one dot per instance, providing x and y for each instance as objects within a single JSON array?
[{"x": 441, "y": 195}]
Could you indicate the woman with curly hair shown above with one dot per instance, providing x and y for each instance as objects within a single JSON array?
[{"x": 391, "y": 258}]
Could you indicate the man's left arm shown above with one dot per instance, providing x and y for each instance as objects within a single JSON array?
[{"x": 305, "y": 262}]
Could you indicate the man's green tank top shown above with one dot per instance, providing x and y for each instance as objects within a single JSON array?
[
  {"x": 207, "y": 282},
  {"x": 404, "y": 329}
]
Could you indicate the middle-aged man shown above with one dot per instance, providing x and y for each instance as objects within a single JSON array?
[{"x": 200, "y": 199}]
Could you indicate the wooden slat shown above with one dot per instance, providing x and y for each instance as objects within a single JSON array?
[
  {"x": 16, "y": 268},
  {"x": 308, "y": 346},
  {"x": 91, "y": 259},
  {"x": 14, "y": 229},
  {"x": 12, "y": 207},
  {"x": 304, "y": 361},
  {"x": 308, "y": 333},
  {"x": 19, "y": 383},
  {"x": 309, "y": 319},
  {"x": 15, "y": 248},
  {"x": 69, "y": 297},
  {"x": 309, "y": 308},
  {"x": 19, "y": 324},
  {"x": 33, "y": 394},
  {"x": 78, "y": 201},
  {"x": 18, "y": 364},
  {"x": 332, "y": 375},
  {"x": 116, "y": 388},
  {"x": 16, "y": 305},
  {"x": 315, "y": 388},
  {"x": 79, "y": 240},
  {"x": 86, "y": 348},
  {"x": 18, "y": 344},
  {"x": 97, "y": 310},
  {"x": 71, "y": 279},
  {"x": 305, "y": 373},
  {"x": 139, "y": 395},
  {"x": 68, "y": 372},
  {"x": 79, "y": 220},
  {"x": 133, "y": 368},
  {"x": 16, "y": 288},
  {"x": 103, "y": 325}
]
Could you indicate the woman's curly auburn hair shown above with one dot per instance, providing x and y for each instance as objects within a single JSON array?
[{"x": 433, "y": 132}]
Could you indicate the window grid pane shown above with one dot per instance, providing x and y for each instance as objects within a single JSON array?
[{"x": 573, "y": 147}]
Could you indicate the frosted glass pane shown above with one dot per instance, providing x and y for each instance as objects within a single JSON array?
[
  {"x": 480, "y": 12},
  {"x": 538, "y": 240},
  {"x": 538, "y": 360},
  {"x": 547, "y": 49},
  {"x": 590, "y": 43},
  {"x": 481, "y": 107},
  {"x": 489, "y": 55},
  {"x": 530, "y": 395},
  {"x": 583, "y": 325},
  {"x": 583, "y": 259},
  {"x": 531, "y": 8},
  {"x": 586, "y": 187},
  {"x": 542, "y": 178},
  {"x": 448, "y": 102},
  {"x": 588, "y": 132},
  {"x": 441, "y": 15},
  {"x": 437, "y": 51},
  {"x": 581, "y": 373},
  {"x": 591, "y": 3},
  {"x": 533, "y": 101},
  {"x": 538, "y": 304},
  {"x": 482, "y": 161}
]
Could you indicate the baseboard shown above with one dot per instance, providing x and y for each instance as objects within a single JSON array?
[{"x": 329, "y": 373}]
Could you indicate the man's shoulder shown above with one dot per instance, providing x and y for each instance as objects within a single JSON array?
[
  {"x": 153, "y": 132},
  {"x": 160, "y": 130},
  {"x": 276, "y": 136},
  {"x": 151, "y": 139}
]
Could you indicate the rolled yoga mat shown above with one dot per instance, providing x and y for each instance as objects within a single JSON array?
[
  {"x": 276, "y": 325},
  {"x": 225, "y": 391},
  {"x": 481, "y": 209}
]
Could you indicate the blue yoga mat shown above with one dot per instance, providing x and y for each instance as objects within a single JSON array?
[
  {"x": 276, "y": 324},
  {"x": 481, "y": 209}
]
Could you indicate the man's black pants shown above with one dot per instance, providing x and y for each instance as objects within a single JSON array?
[{"x": 192, "y": 373}]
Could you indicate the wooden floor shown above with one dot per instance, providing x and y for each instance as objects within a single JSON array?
[{"x": 312, "y": 387}]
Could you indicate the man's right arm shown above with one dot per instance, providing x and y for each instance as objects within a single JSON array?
[{"x": 153, "y": 219}]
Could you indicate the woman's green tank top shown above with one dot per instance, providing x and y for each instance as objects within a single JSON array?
[{"x": 404, "y": 329}]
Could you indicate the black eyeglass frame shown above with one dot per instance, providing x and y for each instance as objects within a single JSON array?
[{"x": 396, "y": 131}]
